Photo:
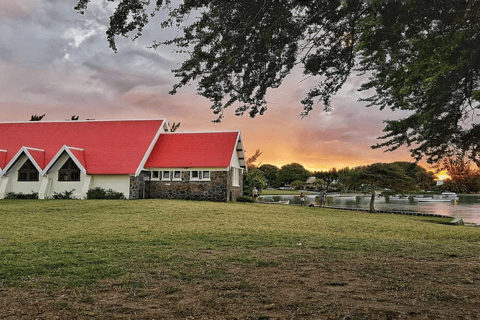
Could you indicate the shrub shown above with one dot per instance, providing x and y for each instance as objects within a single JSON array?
[
  {"x": 245, "y": 199},
  {"x": 63, "y": 195},
  {"x": 13, "y": 195},
  {"x": 101, "y": 193}
]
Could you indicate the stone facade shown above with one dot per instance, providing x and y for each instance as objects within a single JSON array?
[
  {"x": 233, "y": 191},
  {"x": 138, "y": 186},
  {"x": 219, "y": 188}
]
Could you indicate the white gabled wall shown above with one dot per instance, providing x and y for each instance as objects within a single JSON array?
[
  {"x": 13, "y": 185},
  {"x": 235, "y": 162},
  {"x": 119, "y": 183},
  {"x": 53, "y": 185}
]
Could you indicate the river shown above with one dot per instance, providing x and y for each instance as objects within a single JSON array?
[{"x": 468, "y": 207}]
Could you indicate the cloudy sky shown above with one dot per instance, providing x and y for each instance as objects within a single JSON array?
[{"x": 55, "y": 61}]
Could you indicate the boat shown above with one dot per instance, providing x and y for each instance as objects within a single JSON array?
[
  {"x": 277, "y": 202},
  {"x": 444, "y": 197}
]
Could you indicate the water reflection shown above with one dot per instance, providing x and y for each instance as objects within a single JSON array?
[{"x": 468, "y": 207}]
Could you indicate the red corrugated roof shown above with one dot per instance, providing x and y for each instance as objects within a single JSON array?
[
  {"x": 198, "y": 150},
  {"x": 110, "y": 147},
  {"x": 38, "y": 156},
  {"x": 80, "y": 155},
  {"x": 3, "y": 159}
]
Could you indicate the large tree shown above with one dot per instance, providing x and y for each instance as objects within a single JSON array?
[
  {"x": 421, "y": 57},
  {"x": 270, "y": 172},
  {"x": 291, "y": 172},
  {"x": 383, "y": 175}
]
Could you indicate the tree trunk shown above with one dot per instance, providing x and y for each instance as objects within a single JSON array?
[{"x": 372, "y": 201}]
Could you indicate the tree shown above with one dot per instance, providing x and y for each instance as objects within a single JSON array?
[
  {"x": 320, "y": 184},
  {"x": 174, "y": 127},
  {"x": 36, "y": 117},
  {"x": 270, "y": 172},
  {"x": 291, "y": 172},
  {"x": 463, "y": 177},
  {"x": 423, "y": 178},
  {"x": 383, "y": 175},
  {"x": 422, "y": 57},
  {"x": 328, "y": 177},
  {"x": 251, "y": 160},
  {"x": 298, "y": 184},
  {"x": 254, "y": 178}
]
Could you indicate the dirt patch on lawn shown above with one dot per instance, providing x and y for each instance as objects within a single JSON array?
[{"x": 288, "y": 284}]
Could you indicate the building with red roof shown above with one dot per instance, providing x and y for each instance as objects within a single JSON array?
[{"x": 139, "y": 158}]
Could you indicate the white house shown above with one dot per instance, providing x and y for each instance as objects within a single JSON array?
[{"x": 139, "y": 158}]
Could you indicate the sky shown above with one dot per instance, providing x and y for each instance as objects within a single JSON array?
[{"x": 57, "y": 62}]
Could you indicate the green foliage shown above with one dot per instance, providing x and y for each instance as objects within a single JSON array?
[
  {"x": 328, "y": 177},
  {"x": 63, "y": 195},
  {"x": 320, "y": 184},
  {"x": 245, "y": 199},
  {"x": 298, "y": 184},
  {"x": 13, "y": 195},
  {"x": 101, "y": 193},
  {"x": 421, "y": 58},
  {"x": 36, "y": 117},
  {"x": 291, "y": 172},
  {"x": 270, "y": 172},
  {"x": 254, "y": 178}
]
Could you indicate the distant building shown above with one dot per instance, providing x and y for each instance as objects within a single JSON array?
[
  {"x": 139, "y": 158},
  {"x": 440, "y": 182}
]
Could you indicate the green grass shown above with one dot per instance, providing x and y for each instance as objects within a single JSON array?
[{"x": 76, "y": 243}]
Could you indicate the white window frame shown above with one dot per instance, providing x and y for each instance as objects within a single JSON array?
[
  {"x": 236, "y": 177},
  {"x": 201, "y": 175},
  {"x": 159, "y": 173},
  {"x": 173, "y": 174},
  {"x": 169, "y": 175}
]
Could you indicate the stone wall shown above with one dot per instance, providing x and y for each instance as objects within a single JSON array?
[
  {"x": 137, "y": 186},
  {"x": 213, "y": 190},
  {"x": 233, "y": 191},
  {"x": 219, "y": 188}
]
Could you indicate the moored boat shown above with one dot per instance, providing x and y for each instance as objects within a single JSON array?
[{"x": 444, "y": 197}]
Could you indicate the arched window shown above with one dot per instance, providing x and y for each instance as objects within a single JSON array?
[
  {"x": 69, "y": 171},
  {"x": 28, "y": 172}
]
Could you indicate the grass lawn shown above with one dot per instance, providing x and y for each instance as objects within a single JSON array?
[{"x": 178, "y": 259}]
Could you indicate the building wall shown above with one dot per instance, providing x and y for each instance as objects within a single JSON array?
[
  {"x": 48, "y": 184},
  {"x": 54, "y": 186},
  {"x": 119, "y": 183},
  {"x": 219, "y": 188},
  {"x": 234, "y": 191},
  {"x": 25, "y": 187},
  {"x": 214, "y": 190},
  {"x": 138, "y": 186}
]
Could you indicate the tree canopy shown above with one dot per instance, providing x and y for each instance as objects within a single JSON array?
[
  {"x": 421, "y": 57},
  {"x": 291, "y": 172}
]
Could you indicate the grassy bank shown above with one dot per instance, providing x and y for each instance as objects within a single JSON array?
[{"x": 71, "y": 243}]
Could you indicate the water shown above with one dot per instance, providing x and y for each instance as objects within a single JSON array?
[{"x": 468, "y": 207}]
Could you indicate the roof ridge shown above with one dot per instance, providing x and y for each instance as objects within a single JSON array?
[{"x": 76, "y": 121}]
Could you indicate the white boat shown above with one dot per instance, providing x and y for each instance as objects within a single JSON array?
[{"x": 444, "y": 197}]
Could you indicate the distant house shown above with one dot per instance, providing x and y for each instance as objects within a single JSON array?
[{"x": 139, "y": 158}]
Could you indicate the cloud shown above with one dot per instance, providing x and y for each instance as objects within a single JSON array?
[
  {"x": 17, "y": 9},
  {"x": 123, "y": 82}
]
